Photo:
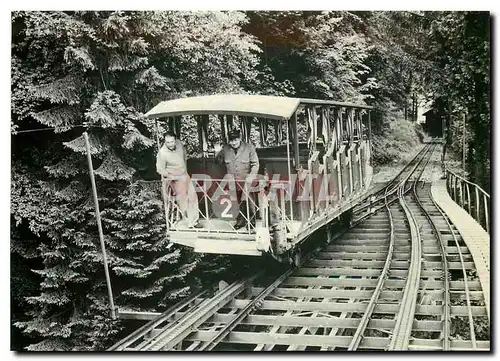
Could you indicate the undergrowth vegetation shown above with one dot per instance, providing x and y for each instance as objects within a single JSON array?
[{"x": 396, "y": 141}]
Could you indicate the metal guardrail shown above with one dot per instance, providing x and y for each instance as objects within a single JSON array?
[{"x": 478, "y": 205}]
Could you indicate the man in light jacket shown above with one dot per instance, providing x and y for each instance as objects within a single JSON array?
[{"x": 171, "y": 165}]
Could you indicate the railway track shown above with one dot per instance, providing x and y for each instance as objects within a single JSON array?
[{"x": 399, "y": 279}]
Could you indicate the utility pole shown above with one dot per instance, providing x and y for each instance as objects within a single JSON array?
[{"x": 99, "y": 226}]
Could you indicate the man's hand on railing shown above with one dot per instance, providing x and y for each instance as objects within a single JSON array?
[{"x": 253, "y": 182}]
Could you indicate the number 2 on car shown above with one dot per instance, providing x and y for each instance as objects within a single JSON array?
[
  {"x": 226, "y": 208},
  {"x": 228, "y": 204}
]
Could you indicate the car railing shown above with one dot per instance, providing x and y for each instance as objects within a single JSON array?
[
  {"x": 277, "y": 203},
  {"x": 219, "y": 202},
  {"x": 270, "y": 202},
  {"x": 172, "y": 210},
  {"x": 221, "y": 208}
]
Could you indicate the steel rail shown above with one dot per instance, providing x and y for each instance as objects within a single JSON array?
[
  {"x": 412, "y": 163},
  {"x": 397, "y": 187},
  {"x": 334, "y": 331},
  {"x": 142, "y": 331},
  {"x": 446, "y": 280},
  {"x": 391, "y": 182},
  {"x": 276, "y": 329},
  {"x": 207, "y": 340},
  {"x": 356, "y": 340},
  {"x": 404, "y": 319},
  {"x": 330, "y": 237},
  {"x": 188, "y": 322},
  {"x": 430, "y": 150},
  {"x": 447, "y": 170},
  {"x": 226, "y": 330},
  {"x": 365, "y": 319},
  {"x": 464, "y": 272},
  {"x": 417, "y": 159},
  {"x": 255, "y": 303},
  {"x": 214, "y": 327},
  {"x": 403, "y": 326},
  {"x": 446, "y": 301}
]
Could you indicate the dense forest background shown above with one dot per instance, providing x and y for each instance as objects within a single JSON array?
[{"x": 101, "y": 71}]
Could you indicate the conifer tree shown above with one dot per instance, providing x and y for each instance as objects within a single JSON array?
[{"x": 99, "y": 72}]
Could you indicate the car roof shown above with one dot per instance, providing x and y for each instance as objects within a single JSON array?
[{"x": 265, "y": 106}]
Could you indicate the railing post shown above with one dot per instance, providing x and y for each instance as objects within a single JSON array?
[
  {"x": 360, "y": 165},
  {"x": 247, "y": 197},
  {"x": 477, "y": 205},
  {"x": 351, "y": 181},
  {"x": 205, "y": 201},
  {"x": 468, "y": 197},
  {"x": 486, "y": 213},
  {"x": 262, "y": 208},
  {"x": 310, "y": 182},
  {"x": 462, "y": 194},
  {"x": 178, "y": 216},
  {"x": 455, "y": 179},
  {"x": 166, "y": 202},
  {"x": 280, "y": 234},
  {"x": 288, "y": 163}
]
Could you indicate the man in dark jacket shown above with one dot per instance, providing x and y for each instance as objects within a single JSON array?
[{"x": 241, "y": 161}]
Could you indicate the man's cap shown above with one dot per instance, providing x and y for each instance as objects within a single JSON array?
[{"x": 233, "y": 134}]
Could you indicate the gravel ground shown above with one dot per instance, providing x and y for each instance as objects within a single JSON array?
[{"x": 434, "y": 170}]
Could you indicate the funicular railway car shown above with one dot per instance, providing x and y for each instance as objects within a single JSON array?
[{"x": 314, "y": 165}]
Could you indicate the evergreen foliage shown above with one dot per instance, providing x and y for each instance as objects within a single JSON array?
[
  {"x": 460, "y": 80},
  {"x": 99, "y": 72}
]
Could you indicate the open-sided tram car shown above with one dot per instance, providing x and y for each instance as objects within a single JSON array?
[{"x": 314, "y": 160}]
